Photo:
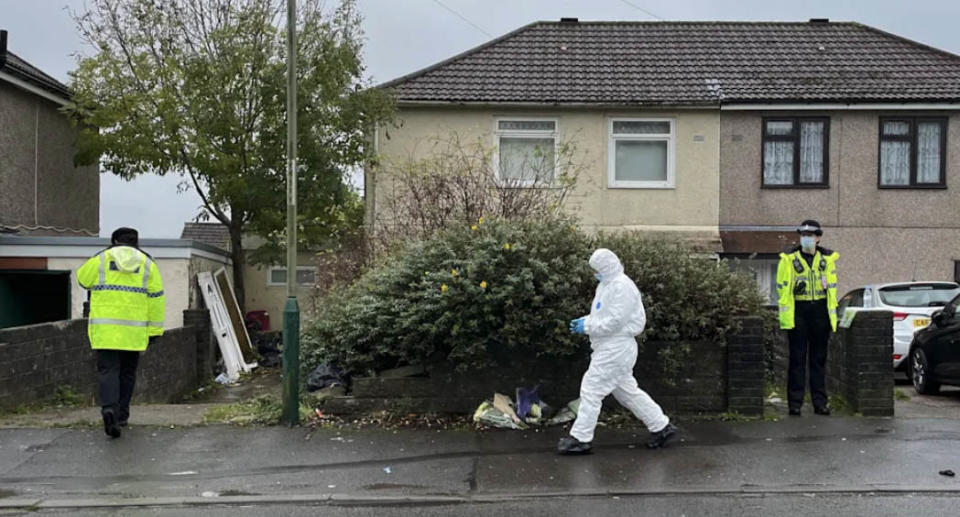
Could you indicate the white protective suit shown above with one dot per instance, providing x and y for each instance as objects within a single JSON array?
[{"x": 616, "y": 317}]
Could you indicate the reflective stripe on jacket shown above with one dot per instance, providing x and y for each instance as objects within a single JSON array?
[{"x": 126, "y": 299}]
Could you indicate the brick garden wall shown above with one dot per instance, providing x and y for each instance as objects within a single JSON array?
[
  {"x": 861, "y": 366},
  {"x": 35, "y": 360},
  {"x": 859, "y": 363},
  {"x": 683, "y": 378}
]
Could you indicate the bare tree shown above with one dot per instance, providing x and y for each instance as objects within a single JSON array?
[{"x": 461, "y": 181}]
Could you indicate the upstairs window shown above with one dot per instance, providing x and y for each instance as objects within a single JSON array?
[
  {"x": 641, "y": 153},
  {"x": 526, "y": 151},
  {"x": 796, "y": 152},
  {"x": 913, "y": 152}
]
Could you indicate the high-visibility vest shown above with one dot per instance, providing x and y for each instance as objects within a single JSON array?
[
  {"x": 819, "y": 279},
  {"x": 126, "y": 299}
]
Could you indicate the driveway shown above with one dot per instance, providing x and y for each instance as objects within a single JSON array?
[{"x": 910, "y": 404}]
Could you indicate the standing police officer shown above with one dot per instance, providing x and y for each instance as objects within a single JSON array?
[
  {"x": 807, "y": 289},
  {"x": 126, "y": 311}
]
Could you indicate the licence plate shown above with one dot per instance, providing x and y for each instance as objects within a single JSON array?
[{"x": 921, "y": 322}]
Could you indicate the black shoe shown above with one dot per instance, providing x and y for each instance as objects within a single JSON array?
[
  {"x": 570, "y": 445},
  {"x": 110, "y": 423},
  {"x": 794, "y": 411},
  {"x": 822, "y": 410},
  {"x": 660, "y": 438},
  {"x": 123, "y": 424}
]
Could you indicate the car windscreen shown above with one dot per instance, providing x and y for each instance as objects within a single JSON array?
[{"x": 919, "y": 295}]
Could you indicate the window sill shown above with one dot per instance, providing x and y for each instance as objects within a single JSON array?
[
  {"x": 801, "y": 187},
  {"x": 912, "y": 187},
  {"x": 526, "y": 185},
  {"x": 652, "y": 186}
]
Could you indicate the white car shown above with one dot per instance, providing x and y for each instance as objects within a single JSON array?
[{"x": 912, "y": 304}]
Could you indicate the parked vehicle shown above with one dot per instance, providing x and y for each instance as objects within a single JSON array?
[
  {"x": 935, "y": 351},
  {"x": 912, "y": 304}
]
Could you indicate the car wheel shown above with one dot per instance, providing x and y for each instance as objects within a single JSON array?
[{"x": 920, "y": 374}]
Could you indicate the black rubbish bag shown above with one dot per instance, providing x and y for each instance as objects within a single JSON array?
[
  {"x": 268, "y": 346},
  {"x": 325, "y": 376}
]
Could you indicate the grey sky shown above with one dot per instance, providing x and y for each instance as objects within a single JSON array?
[{"x": 405, "y": 35}]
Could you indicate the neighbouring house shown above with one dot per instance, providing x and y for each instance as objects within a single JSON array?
[
  {"x": 42, "y": 192},
  {"x": 50, "y": 210},
  {"x": 214, "y": 234},
  {"x": 265, "y": 286},
  {"x": 726, "y": 133},
  {"x": 38, "y": 280}
]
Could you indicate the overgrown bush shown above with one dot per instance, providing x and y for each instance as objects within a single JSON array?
[
  {"x": 502, "y": 292},
  {"x": 474, "y": 295},
  {"x": 687, "y": 295}
]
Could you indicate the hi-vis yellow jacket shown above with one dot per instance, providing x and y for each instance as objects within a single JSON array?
[
  {"x": 820, "y": 283},
  {"x": 126, "y": 299}
]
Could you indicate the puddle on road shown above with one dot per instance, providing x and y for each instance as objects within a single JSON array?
[
  {"x": 231, "y": 492},
  {"x": 389, "y": 486}
]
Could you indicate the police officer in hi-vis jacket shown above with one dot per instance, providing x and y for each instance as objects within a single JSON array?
[{"x": 807, "y": 289}]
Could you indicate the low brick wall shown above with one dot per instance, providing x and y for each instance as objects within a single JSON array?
[
  {"x": 703, "y": 377},
  {"x": 38, "y": 359},
  {"x": 859, "y": 363},
  {"x": 745, "y": 368},
  {"x": 861, "y": 366}
]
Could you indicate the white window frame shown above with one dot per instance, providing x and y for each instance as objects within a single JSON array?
[
  {"x": 613, "y": 138},
  {"x": 271, "y": 269},
  {"x": 521, "y": 133}
]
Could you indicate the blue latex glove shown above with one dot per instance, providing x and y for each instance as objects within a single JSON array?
[{"x": 576, "y": 326}]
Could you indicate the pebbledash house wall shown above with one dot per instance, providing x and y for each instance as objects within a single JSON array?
[
  {"x": 42, "y": 192},
  {"x": 882, "y": 235}
]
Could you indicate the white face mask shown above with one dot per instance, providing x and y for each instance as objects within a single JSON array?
[{"x": 808, "y": 242}]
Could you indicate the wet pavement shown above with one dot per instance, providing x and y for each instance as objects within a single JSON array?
[
  {"x": 827, "y": 457},
  {"x": 720, "y": 506},
  {"x": 262, "y": 381},
  {"x": 910, "y": 404},
  {"x": 839, "y": 465}
]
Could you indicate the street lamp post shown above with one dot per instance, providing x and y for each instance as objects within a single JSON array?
[{"x": 291, "y": 311}]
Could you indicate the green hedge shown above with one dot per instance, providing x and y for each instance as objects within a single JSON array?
[{"x": 499, "y": 292}]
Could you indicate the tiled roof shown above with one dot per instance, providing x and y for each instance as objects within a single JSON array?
[
  {"x": 689, "y": 63},
  {"x": 214, "y": 234},
  {"x": 15, "y": 66}
]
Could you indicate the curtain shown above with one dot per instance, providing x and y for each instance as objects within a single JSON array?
[
  {"x": 928, "y": 152},
  {"x": 778, "y": 155},
  {"x": 811, "y": 152},
  {"x": 894, "y": 163},
  {"x": 778, "y": 163}
]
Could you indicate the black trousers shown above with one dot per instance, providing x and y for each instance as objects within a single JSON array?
[
  {"x": 117, "y": 371},
  {"x": 808, "y": 345}
]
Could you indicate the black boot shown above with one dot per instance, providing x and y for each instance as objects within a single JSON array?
[
  {"x": 660, "y": 438},
  {"x": 110, "y": 423},
  {"x": 570, "y": 445},
  {"x": 822, "y": 410}
]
